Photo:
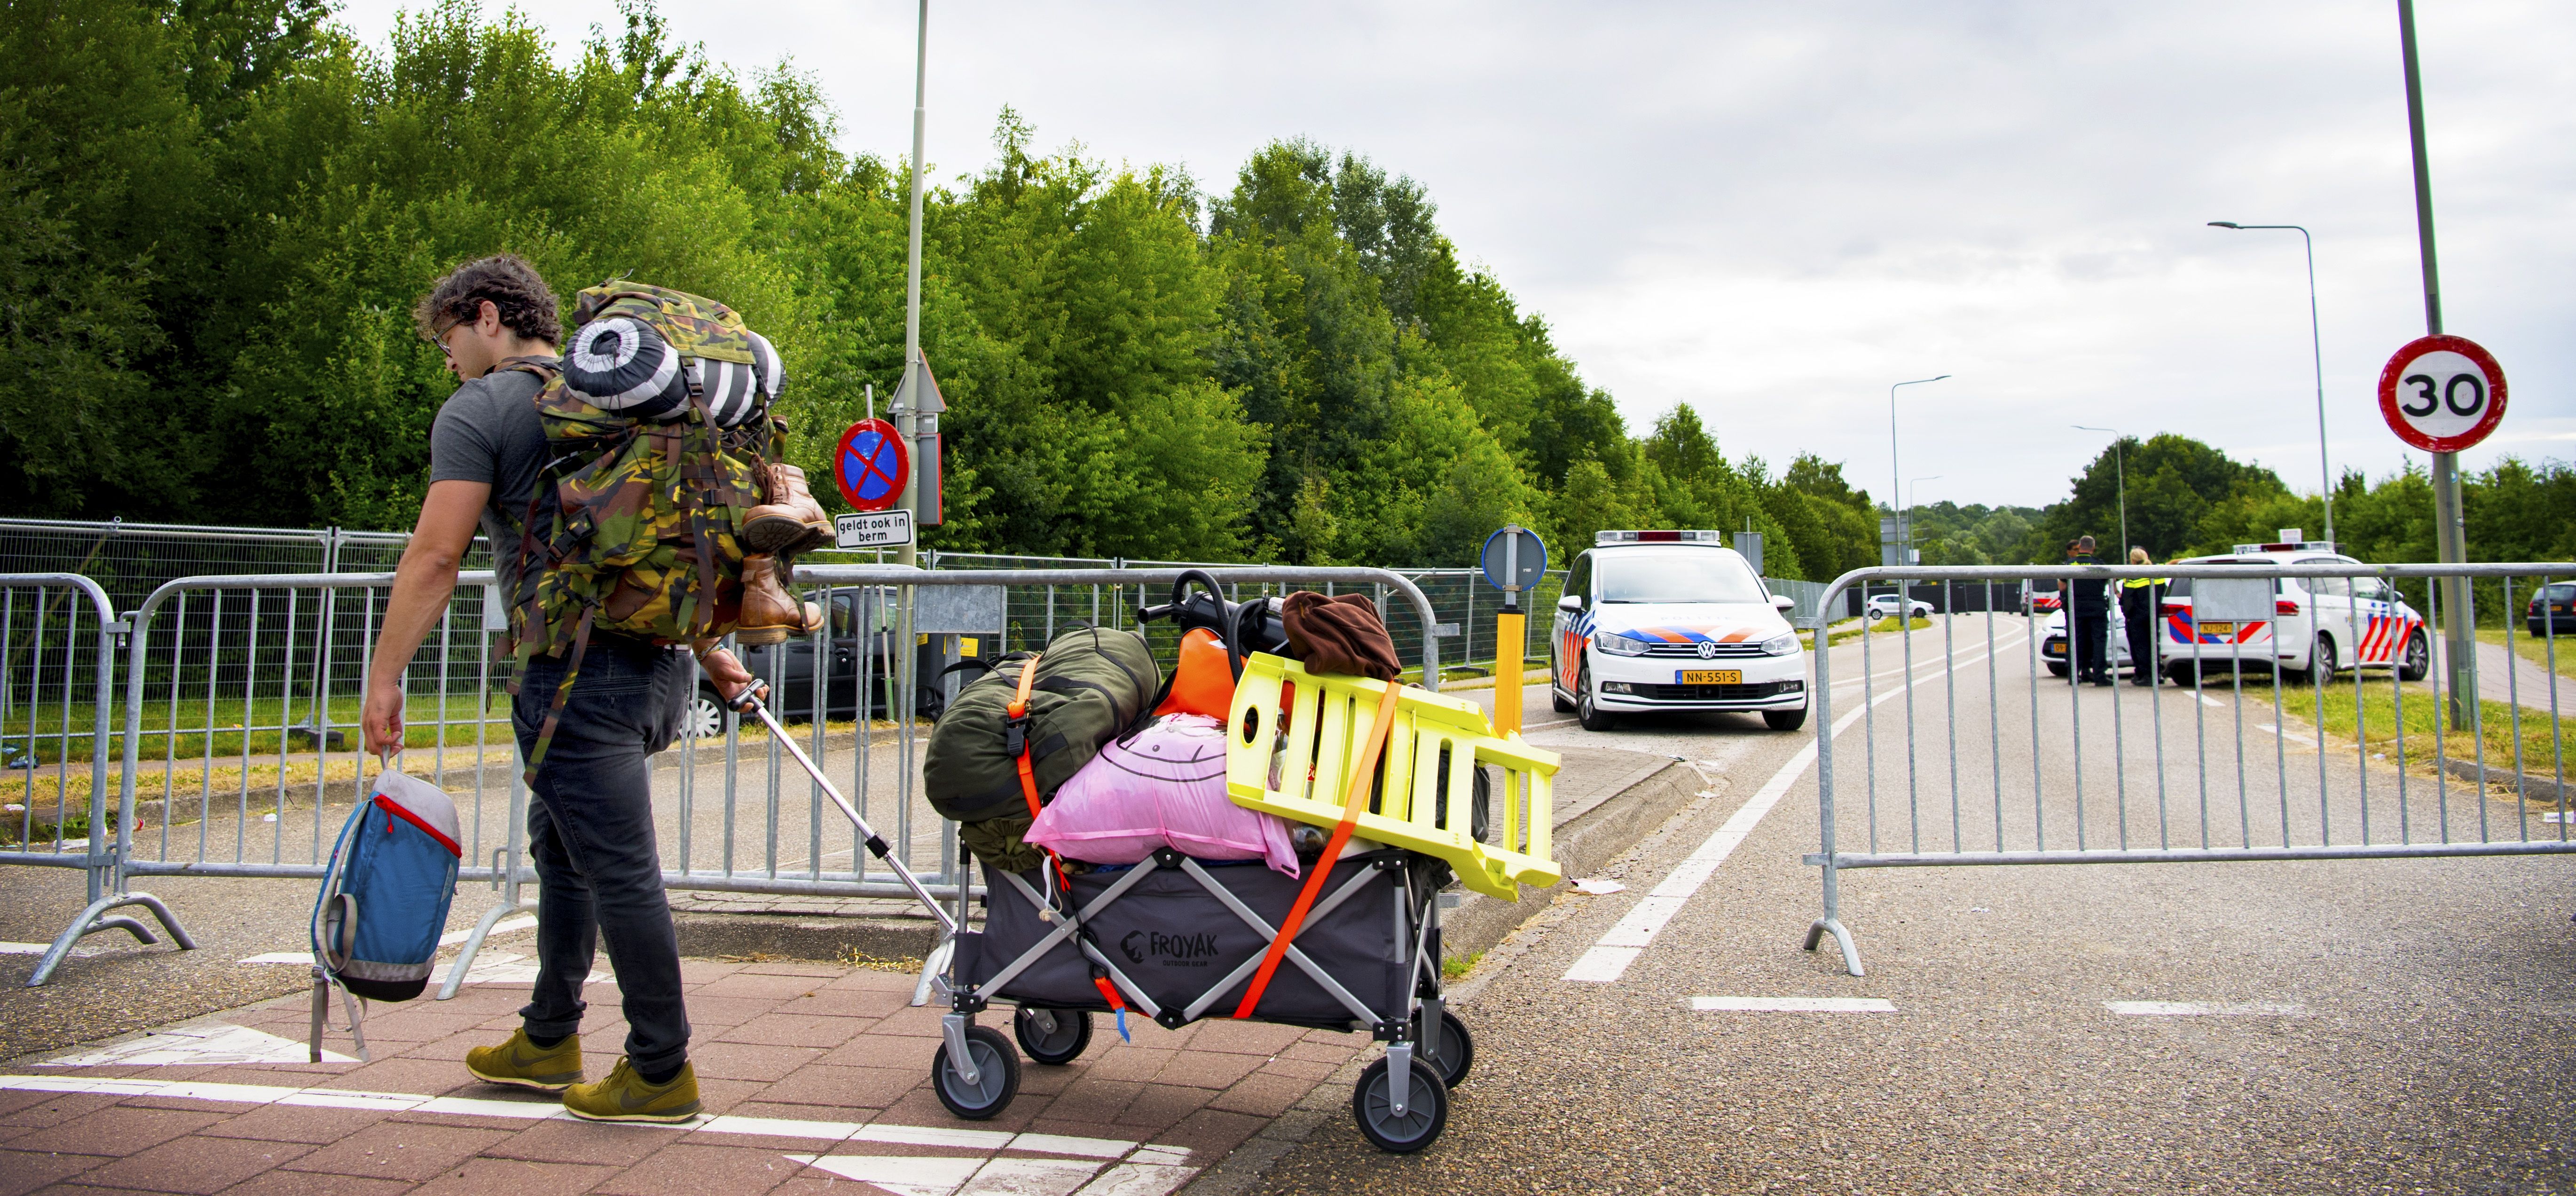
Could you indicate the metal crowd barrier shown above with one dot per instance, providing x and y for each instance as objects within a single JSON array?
[
  {"x": 238, "y": 750},
  {"x": 2211, "y": 765},
  {"x": 58, "y": 640}
]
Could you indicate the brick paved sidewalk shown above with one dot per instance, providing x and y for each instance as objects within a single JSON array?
[{"x": 813, "y": 1076}]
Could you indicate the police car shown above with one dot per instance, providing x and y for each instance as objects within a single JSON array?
[
  {"x": 2319, "y": 625},
  {"x": 2052, "y": 644},
  {"x": 1673, "y": 620}
]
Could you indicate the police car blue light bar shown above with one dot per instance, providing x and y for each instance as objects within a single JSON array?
[
  {"x": 2288, "y": 546},
  {"x": 1657, "y": 537}
]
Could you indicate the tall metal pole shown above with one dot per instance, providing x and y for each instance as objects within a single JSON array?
[
  {"x": 2450, "y": 528},
  {"x": 2316, "y": 357},
  {"x": 2120, "y": 472},
  {"x": 912, "y": 273}
]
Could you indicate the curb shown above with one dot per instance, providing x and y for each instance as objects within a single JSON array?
[
  {"x": 2524, "y": 785},
  {"x": 1595, "y": 835},
  {"x": 790, "y": 936}
]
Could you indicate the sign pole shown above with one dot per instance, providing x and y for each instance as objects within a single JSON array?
[
  {"x": 2450, "y": 528},
  {"x": 1511, "y": 642},
  {"x": 1513, "y": 560},
  {"x": 912, "y": 266}
]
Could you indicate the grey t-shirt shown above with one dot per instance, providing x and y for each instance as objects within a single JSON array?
[{"x": 488, "y": 432}]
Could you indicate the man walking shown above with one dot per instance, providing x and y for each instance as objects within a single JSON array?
[
  {"x": 2088, "y": 617},
  {"x": 590, "y": 822}
]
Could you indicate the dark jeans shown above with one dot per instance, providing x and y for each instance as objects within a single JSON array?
[
  {"x": 2142, "y": 638},
  {"x": 2092, "y": 630},
  {"x": 590, "y": 830}
]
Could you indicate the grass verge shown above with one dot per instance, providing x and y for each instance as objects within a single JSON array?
[
  {"x": 2376, "y": 714},
  {"x": 1851, "y": 629}
]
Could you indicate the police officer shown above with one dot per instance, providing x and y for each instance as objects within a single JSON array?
[
  {"x": 2140, "y": 600},
  {"x": 2088, "y": 609}
]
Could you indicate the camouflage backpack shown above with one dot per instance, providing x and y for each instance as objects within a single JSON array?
[{"x": 657, "y": 433}]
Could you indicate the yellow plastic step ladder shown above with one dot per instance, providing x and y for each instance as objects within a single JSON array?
[{"x": 1303, "y": 771}]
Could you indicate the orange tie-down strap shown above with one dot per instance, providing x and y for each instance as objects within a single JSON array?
[
  {"x": 1363, "y": 778},
  {"x": 1019, "y": 715},
  {"x": 1019, "y": 712}
]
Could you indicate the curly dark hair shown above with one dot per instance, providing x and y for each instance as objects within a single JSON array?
[{"x": 514, "y": 288}]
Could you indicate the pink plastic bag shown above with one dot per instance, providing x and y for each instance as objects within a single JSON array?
[{"x": 1163, "y": 788}]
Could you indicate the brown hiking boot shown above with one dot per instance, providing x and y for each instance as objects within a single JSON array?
[
  {"x": 769, "y": 613},
  {"x": 790, "y": 522}
]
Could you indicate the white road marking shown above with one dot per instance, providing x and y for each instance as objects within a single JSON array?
[
  {"x": 2204, "y": 1009},
  {"x": 200, "y": 1045},
  {"x": 490, "y": 967},
  {"x": 2292, "y": 736},
  {"x": 1792, "y": 1005},
  {"x": 504, "y": 926},
  {"x": 2207, "y": 700},
  {"x": 1160, "y": 1160},
  {"x": 1610, "y": 955},
  {"x": 25, "y": 948}
]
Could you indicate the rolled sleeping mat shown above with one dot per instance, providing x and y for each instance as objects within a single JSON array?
[
  {"x": 773, "y": 373},
  {"x": 732, "y": 390},
  {"x": 737, "y": 394},
  {"x": 620, "y": 364}
]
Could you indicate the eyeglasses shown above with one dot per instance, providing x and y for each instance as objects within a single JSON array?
[{"x": 436, "y": 337}]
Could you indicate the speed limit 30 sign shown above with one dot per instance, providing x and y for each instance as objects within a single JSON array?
[{"x": 2442, "y": 394}]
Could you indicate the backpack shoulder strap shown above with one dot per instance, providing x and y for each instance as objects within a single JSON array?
[{"x": 547, "y": 369}]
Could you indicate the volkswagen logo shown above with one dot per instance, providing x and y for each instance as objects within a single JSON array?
[{"x": 1708, "y": 649}]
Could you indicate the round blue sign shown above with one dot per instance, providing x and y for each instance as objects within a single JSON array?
[{"x": 870, "y": 465}]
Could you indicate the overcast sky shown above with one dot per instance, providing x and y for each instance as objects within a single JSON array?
[{"x": 1772, "y": 211}]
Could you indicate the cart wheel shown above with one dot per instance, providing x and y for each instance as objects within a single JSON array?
[
  {"x": 997, "y": 1075},
  {"x": 1457, "y": 1049},
  {"x": 1425, "y": 1113},
  {"x": 1053, "y": 1037}
]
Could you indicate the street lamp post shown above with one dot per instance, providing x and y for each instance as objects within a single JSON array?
[
  {"x": 2316, "y": 355},
  {"x": 1896, "y": 487},
  {"x": 2119, "y": 470},
  {"x": 904, "y": 416}
]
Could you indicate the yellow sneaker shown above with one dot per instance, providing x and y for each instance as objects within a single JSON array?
[
  {"x": 624, "y": 1096},
  {"x": 520, "y": 1063}
]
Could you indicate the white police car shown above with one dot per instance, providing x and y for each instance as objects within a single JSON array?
[
  {"x": 1673, "y": 620},
  {"x": 2319, "y": 625}
]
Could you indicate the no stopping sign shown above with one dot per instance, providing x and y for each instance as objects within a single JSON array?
[{"x": 2442, "y": 393}]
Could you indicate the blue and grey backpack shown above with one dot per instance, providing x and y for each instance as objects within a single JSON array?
[{"x": 384, "y": 899}]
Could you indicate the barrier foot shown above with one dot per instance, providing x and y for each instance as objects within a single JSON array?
[
  {"x": 1816, "y": 932},
  {"x": 931, "y": 967},
  {"x": 464, "y": 961},
  {"x": 91, "y": 921},
  {"x": 134, "y": 926}
]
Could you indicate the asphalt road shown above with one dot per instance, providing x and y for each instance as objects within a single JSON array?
[{"x": 2379, "y": 1025}]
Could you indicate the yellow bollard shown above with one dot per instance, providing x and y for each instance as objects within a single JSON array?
[{"x": 1510, "y": 644}]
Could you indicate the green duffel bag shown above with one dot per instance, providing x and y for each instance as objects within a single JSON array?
[{"x": 1089, "y": 687}]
